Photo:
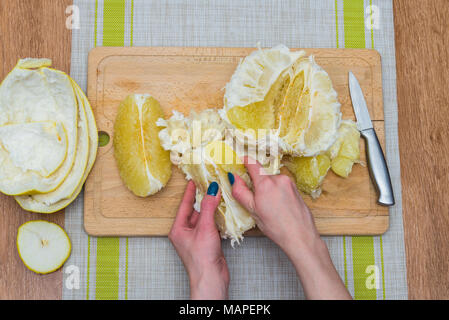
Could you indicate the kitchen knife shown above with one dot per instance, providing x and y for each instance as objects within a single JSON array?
[{"x": 376, "y": 161}]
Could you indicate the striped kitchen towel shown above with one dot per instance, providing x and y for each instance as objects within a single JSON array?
[{"x": 149, "y": 268}]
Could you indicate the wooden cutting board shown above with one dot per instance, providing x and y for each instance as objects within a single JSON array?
[{"x": 193, "y": 78}]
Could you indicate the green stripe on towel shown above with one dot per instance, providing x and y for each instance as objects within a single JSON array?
[
  {"x": 108, "y": 263},
  {"x": 108, "y": 249},
  {"x": 362, "y": 257},
  {"x": 354, "y": 23},
  {"x": 114, "y": 23},
  {"x": 362, "y": 247}
]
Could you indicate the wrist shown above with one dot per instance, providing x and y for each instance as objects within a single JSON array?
[
  {"x": 311, "y": 259},
  {"x": 316, "y": 271},
  {"x": 208, "y": 287},
  {"x": 304, "y": 243}
]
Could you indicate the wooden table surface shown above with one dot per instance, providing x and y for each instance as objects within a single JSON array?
[{"x": 37, "y": 28}]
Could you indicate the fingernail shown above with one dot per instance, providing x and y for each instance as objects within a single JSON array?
[
  {"x": 213, "y": 189},
  {"x": 231, "y": 178}
]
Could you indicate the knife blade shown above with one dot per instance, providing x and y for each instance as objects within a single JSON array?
[
  {"x": 359, "y": 104},
  {"x": 376, "y": 161}
]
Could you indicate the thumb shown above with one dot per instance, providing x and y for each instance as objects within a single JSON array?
[
  {"x": 242, "y": 193},
  {"x": 209, "y": 204}
]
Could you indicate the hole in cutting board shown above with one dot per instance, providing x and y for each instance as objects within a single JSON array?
[{"x": 103, "y": 138}]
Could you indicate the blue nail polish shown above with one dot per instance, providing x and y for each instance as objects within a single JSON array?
[
  {"x": 213, "y": 189},
  {"x": 231, "y": 178}
]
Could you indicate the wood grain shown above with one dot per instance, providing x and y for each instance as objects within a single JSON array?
[
  {"x": 183, "y": 79},
  {"x": 422, "y": 59},
  {"x": 29, "y": 28}
]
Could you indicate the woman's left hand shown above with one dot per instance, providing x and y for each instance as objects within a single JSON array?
[{"x": 197, "y": 241}]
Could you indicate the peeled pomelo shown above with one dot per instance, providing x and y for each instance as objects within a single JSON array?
[
  {"x": 255, "y": 92},
  {"x": 289, "y": 96},
  {"x": 310, "y": 115},
  {"x": 144, "y": 165}
]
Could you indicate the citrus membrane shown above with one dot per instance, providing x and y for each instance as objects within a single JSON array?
[
  {"x": 85, "y": 156},
  {"x": 287, "y": 94},
  {"x": 198, "y": 145},
  {"x": 32, "y": 92}
]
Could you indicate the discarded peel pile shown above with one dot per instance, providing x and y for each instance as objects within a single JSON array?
[{"x": 48, "y": 136}]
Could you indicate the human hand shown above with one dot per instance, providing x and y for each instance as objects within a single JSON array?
[
  {"x": 198, "y": 244},
  {"x": 277, "y": 207},
  {"x": 282, "y": 215}
]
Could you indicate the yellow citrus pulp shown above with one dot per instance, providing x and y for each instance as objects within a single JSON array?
[{"x": 143, "y": 164}]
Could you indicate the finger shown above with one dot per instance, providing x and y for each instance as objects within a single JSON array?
[
  {"x": 255, "y": 170},
  {"x": 186, "y": 207},
  {"x": 243, "y": 194},
  {"x": 208, "y": 206},
  {"x": 194, "y": 218}
]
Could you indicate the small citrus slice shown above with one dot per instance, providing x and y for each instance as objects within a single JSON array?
[{"x": 43, "y": 246}]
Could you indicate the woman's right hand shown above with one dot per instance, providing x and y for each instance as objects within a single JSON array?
[
  {"x": 282, "y": 215},
  {"x": 277, "y": 207}
]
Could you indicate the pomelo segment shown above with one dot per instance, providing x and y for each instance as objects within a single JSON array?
[
  {"x": 346, "y": 150},
  {"x": 143, "y": 164},
  {"x": 309, "y": 172}
]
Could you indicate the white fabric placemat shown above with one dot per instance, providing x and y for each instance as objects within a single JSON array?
[{"x": 149, "y": 268}]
